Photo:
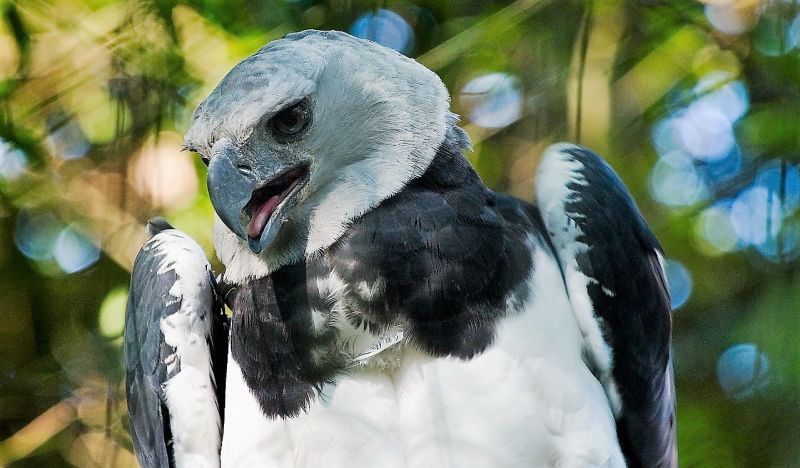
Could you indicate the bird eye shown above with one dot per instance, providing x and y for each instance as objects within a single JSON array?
[{"x": 288, "y": 123}]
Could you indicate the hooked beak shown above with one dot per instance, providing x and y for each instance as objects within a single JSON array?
[{"x": 253, "y": 202}]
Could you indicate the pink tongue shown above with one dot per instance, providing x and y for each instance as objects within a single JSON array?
[{"x": 259, "y": 220}]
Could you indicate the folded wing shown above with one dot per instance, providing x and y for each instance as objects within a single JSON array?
[
  {"x": 613, "y": 270},
  {"x": 176, "y": 345}
]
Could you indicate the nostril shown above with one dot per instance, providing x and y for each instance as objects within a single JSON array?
[{"x": 245, "y": 168}]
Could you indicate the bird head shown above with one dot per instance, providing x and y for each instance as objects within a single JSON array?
[{"x": 308, "y": 134}]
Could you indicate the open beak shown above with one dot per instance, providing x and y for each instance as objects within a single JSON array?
[{"x": 253, "y": 201}]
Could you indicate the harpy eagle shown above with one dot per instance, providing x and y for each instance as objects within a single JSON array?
[{"x": 389, "y": 310}]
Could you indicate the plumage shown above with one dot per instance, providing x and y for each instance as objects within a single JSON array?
[
  {"x": 388, "y": 308},
  {"x": 175, "y": 338},
  {"x": 613, "y": 267}
]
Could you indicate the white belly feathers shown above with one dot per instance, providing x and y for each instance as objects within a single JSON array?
[{"x": 528, "y": 400}]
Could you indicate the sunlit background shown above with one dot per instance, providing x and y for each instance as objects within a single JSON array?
[{"x": 695, "y": 104}]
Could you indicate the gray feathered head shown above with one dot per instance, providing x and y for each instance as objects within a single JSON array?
[{"x": 308, "y": 134}]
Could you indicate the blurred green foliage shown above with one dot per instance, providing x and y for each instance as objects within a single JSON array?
[{"x": 695, "y": 104}]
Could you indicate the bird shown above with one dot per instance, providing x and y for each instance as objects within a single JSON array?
[{"x": 387, "y": 309}]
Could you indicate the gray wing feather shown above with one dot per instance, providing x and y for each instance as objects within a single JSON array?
[{"x": 150, "y": 361}]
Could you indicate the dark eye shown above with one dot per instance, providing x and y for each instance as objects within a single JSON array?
[{"x": 287, "y": 124}]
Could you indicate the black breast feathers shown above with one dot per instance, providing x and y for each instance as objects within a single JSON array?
[{"x": 441, "y": 260}]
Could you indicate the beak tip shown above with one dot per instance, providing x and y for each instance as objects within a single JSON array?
[{"x": 255, "y": 245}]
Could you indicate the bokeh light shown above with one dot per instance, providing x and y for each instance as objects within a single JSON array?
[
  {"x": 755, "y": 215},
  {"x": 778, "y": 177},
  {"x": 163, "y": 175},
  {"x": 715, "y": 230},
  {"x": 719, "y": 90},
  {"x": 385, "y": 27},
  {"x": 66, "y": 139},
  {"x": 679, "y": 280},
  {"x": 676, "y": 182},
  {"x": 743, "y": 371},
  {"x": 12, "y": 162},
  {"x": 732, "y": 16},
  {"x": 493, "y": 100},
  {"x": 721, "y": 169},
  {"x": 111, "y": 320},
  {"x": 758, "y": 214},
  {"x": 704, "y": 131},
  {"x": 73, "y": 251},
  {"x": 794, "y": 33},
  {"x": 36, "y": 234},
  {"x": 696, "y": 142},
  {"x": 704, "y": 128}
]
